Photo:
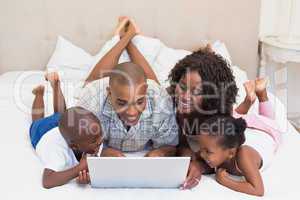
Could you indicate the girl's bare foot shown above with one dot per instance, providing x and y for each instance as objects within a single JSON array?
[
  {"x": 39, "y": 90},
  {"x": 53, "y": 78},
  {"x": 250, "y": 92},
  {"x": 122, "y": 26},
  {"x": 261, "y": 89}
]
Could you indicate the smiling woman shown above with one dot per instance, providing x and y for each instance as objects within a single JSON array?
[{"x": 203, "y": 82}]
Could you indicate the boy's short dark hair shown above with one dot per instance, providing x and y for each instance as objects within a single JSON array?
[{"x": 77, "y": 122}]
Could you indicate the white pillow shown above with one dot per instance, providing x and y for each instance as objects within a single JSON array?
[
  {"x": 220, "y": 48},
  {"x": 71, "y": 61},
  {"x": 69, "y": 55}
]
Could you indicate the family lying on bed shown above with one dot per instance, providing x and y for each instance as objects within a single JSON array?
[{"x": 122, "y": 108}]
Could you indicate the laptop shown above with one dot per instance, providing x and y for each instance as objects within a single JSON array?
[{"x": 137, "y": 172}]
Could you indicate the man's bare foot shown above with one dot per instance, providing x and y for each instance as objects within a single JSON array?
[
  {"x": 135, "y": 26},
  {"x": 261, "y": 89},
  {"x": 122, "y": 26},
  {"x": 53, "y": 78},
  {"x": 39, "y": 90},
  {"x": 250, "y": 91}
]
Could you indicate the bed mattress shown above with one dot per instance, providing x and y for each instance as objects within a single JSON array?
[{"x": 21, "y": 170}]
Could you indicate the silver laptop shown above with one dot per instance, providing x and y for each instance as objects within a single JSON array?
[{"x": 137, "y": 172}]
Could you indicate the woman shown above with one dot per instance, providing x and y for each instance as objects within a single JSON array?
[{"x": 201, "y": 82}]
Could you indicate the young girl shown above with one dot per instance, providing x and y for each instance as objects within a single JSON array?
[{"x": 239, "y": 146}]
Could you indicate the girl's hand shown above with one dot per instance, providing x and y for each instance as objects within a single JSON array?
[{"x": 221, "y": 175}]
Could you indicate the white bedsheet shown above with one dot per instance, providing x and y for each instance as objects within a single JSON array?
[{"x": 21, "y": 170}]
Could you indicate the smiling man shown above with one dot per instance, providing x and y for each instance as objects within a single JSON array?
[{"x": 135, "y": 113}]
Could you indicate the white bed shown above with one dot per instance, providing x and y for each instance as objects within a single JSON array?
[
  {"x": 21, "y": 170},
  {"x": 28, "y": 33}
]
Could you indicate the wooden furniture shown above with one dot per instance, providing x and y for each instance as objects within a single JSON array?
[{"x": 276, "y": 58}]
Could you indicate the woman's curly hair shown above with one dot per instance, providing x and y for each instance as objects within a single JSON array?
[{"x": 213, "y": 70}]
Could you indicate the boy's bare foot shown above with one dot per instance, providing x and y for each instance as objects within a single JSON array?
[
  {"x": 39, "y": 90},
  {"x": 261, "y": 89},
  {"x": 53, "y": 78},
  {"x": 122, "y": 26},
  {"x": 250, "y": 92}
]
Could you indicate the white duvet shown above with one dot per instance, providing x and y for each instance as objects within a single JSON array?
[{"x": 21, "y": 170}]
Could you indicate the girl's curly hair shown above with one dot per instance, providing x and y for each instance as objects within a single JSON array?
[{"x": 216, "y": 75}]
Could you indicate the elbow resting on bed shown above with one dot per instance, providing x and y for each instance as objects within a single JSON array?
[{"x": 47, "y": 185}]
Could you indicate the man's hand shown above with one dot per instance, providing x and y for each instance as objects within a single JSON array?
[
  {"x": 221, "y": 175},
  {"x": 110, "y": 152},
  {"x": 165, "y": 151},
  {"x": 193, "y": 177},
  {"x": 155, "y": 153},
  {"x": 83, "y": 178}
]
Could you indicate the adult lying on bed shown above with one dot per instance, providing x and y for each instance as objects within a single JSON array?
[
  {"x": 201, "y": 82},
  {"x": 136, "y": 113}
]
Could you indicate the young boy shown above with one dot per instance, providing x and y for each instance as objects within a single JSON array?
[
  {"x": 63, "y": 139},
  {"x": 135, "y": 113}
]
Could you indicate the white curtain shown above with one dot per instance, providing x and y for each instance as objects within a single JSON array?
[{"x": 280, "y": 17}]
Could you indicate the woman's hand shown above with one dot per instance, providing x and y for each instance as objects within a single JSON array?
[{"x": 193, "y": 177}]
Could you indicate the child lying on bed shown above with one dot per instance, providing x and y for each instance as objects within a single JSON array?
[
  {"x": 63, "y": 139},
  {"x": 240, "y": 146}
]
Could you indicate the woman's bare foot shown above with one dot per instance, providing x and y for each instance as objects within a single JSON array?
[
  {"x": 53, "y": 78},
  {"x": 261, "y": 89},
  {"x": 39, "y": 90},
  {"x": 250, "y": 92},
  {"x": 207, "y": 47},
  {"x": 122, "y": 26}
]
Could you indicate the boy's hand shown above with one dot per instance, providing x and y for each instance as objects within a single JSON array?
[
  {"x": 193, "y": 177},
  {"x": 110, "y": 152},
  {"x": 221, "y": 175},
  {"x": 83, "y": 163},
  {"x": 83, "y": 178}
]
